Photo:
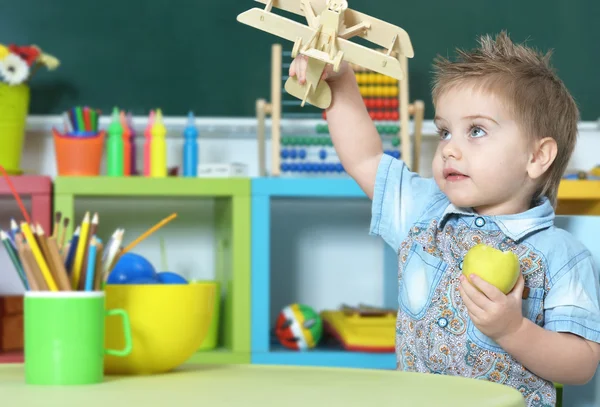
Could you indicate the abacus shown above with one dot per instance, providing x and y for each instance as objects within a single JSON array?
[{"x": 302, "y": 153}]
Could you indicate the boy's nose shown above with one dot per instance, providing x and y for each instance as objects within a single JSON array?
[{"x": 451, "y": 150}]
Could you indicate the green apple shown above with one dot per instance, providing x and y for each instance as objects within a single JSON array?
[{"x": 501, "y": 269}]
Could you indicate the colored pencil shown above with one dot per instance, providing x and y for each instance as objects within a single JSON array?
[
  {"x": 94, "y": 119},
  {"x": 53, "y": 257},
  {"x": 98, "y": 268},
  {"x": 112, "y": 253},
  {"x": 61, "y": 241},
  {"x": 61, "y": 279},
  {"x": 32, "y": 279},
  {"x": 80, "y": 253},
  {"x": 14, "y": 228},
  {"x": 43, "y": 286},
  {"x": 57, "y": 219},
  {"x": 84, "y": 264},
  {"x": 87, "y": 119},
  {"x": 70, "y": 258},
  {"x": 79, "y": 117},
  {"x": 38, "y": 256},
  {"x": 34, "y": 275},
  {"x": 11, "y": 234},
  {"x": 91, "y": 265},
  {"x": 14, "y": 258},
  {"x": 149, "y": 232}
]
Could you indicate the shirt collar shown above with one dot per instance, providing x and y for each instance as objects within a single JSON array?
[{"x": 514, "y": 226}]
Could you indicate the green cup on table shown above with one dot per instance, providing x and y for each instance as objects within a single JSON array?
[{"x": 64, "y": 337}]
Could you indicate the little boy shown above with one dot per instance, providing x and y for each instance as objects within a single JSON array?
[{"x": 507, "y": 128}]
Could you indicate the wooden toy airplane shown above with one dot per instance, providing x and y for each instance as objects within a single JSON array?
[{"x": 325, "y": 40}]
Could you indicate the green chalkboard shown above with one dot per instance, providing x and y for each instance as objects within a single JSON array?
[{"x": 193, "y": 54}]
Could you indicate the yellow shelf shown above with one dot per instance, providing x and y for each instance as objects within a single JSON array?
[
  {"x": 579, "y": 189},
  {"x": 579, "y": 197}
]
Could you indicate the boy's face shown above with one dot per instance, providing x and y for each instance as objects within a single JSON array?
[{"x": 482, "y": 157}]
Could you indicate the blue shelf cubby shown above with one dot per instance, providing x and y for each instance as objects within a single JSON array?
[{"x": 343, "y": 201}]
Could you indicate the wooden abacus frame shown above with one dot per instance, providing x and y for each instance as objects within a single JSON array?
[{"x": 263, "y": 108}]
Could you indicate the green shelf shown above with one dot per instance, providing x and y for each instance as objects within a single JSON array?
[
  {"x": 146, "y": 186},
  {"x": 232, "y": 233}
]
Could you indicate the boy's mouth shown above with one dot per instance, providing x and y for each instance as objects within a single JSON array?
[{"x": 451, "y": 174}]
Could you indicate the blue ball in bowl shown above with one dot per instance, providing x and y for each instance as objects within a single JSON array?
[
  {"x": 131, "y": 267},
  {"x": 168, "y": 277},
  {"x": 144, "y": 280}
]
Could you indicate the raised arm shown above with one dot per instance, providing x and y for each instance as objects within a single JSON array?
[{"x": 352, "y": 131}]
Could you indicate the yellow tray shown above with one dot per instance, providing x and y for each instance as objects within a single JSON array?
[{"x": 362, "y": 332}]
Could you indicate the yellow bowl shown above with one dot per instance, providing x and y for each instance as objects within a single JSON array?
[{"x": 168, "y": 324}]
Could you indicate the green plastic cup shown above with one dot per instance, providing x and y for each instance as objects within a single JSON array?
[{"x": 64, "y": 337}]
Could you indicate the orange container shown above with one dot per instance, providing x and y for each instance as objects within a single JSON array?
[{"x": 78, "y": 156}]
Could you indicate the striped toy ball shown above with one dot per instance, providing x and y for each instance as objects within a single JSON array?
[{"x": 299, "y": 327}]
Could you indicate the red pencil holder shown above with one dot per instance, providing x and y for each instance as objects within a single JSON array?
[{"x": 78, "y": 156}]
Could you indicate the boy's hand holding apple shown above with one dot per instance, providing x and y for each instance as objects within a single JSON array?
[{"x": 492, "y": 288}]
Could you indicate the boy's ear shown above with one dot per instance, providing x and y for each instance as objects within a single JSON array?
[{"x": 543, "y": 156}]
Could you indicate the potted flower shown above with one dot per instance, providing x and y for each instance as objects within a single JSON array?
[{"x": 17, "y": 66}]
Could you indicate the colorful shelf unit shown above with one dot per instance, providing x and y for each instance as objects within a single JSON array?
[
  {"x": 36, "y": 193},
  {"x": 264, "y": 192},
  {"x": 579, "y": 197},
  {"x": 231, "y": 198}
]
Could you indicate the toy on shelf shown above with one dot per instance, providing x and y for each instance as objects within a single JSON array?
[
  {"x": 79, "y": 148},
  {"x": 115, "y": 151},
  {"x": 299, "y": 327},
  {"x": 304, "y": 147},
  {"x": 129, "y": 129},
  {"x": 148, "y": 144},
  {"x": 128, "y": 143},
  {"x": 362, "y": 328},
  {"x": 190, "y": 148},
  {"x": 158, "y": 151}
]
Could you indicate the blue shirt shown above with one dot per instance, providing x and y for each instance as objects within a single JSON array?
[{"x": 431, "y": 236}]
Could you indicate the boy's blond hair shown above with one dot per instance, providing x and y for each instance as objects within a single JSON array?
[{"x": 535, "y": 95}]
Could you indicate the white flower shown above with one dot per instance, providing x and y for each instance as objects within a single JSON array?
[{"x": 14, "y": 69}]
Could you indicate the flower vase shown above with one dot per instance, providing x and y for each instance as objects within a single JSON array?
[{"x": 14, "y": 107}]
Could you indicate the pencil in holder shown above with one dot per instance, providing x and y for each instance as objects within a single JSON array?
[{"x": 78, "y": 154}]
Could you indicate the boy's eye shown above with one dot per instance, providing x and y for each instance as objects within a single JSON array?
[
  {"x": 444, "y": 134},
  {"x": 477, "y": 132}
]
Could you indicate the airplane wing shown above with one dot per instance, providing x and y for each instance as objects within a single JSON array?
[
  {"x": 291, "y": 30},
  {"x": 380, "y": 33},
  {"x": 275, "y": 24},
  {"x": 293, "y": 6},
  {"x": 370, "y": 59}
]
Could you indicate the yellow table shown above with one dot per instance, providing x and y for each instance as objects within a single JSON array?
[{"x": 255, "y": 385}]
